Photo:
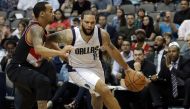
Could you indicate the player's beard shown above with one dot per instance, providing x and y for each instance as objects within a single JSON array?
[{"x": 86, "y": 33}]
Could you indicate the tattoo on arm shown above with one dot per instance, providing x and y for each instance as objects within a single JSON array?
[
  {"x": 37, "y": 34},
  {"x": 59, "y": 37}
]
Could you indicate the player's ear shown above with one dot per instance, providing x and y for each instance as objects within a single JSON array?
[{"x": 42, "y": 13}]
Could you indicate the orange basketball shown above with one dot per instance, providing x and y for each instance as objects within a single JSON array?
[{"x": 135, "y": 81}]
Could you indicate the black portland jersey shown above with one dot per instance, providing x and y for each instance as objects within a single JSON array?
[{"x": 25, "y": 54}]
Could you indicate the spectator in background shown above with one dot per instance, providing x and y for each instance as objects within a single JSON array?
[
  {"x": 103, "y": 6},
  {"x": 183, "y": 30},
  {"x": 140, "y": 15},
  {"x": 175, "y": 66},
  {"x": 140, "y": 34},
  {"x": 148, "y": 26},
  {"x": 102, "y": 21},
  {"x": 79, "y": 6},
  {"x": 9, "y": 49},
  {"x": 67, "y": 7},
  {"x": 10, "y": 46},
  {"x": 76, "y": 22},
  {"x": 184, "y": 12},
  {"x": 185, "y": 50},
  {"x": 168, "y": 39},
  {"x": 119, "y": 42},
  {"x": 17, "y": 34},
  {"x": 129, "y": 29},
  {"x": 159, "y": 53},
  {"x": 119, "y": 20},
  {"x": 94, "y": 9},
  {"x": 141, "y": 99},
  {"x": 127, "y": 55},
  {"x": 167, "y": 25},
  {"x": 60, "y": 21}
]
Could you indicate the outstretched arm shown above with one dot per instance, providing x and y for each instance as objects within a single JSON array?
[
  {"x": 36, "y": 34},
  {"x": 112, "y": 50},
  {"x": 64, "y": 36}
]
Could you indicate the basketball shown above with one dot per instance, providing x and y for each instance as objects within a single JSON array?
[{"x": 135, "y": 81}]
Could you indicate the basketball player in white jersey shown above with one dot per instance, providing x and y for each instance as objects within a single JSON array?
[{"x": 87, "y": 69}]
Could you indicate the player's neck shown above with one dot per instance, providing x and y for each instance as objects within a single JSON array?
[
  {"x": 84, "y": 36},
  {"x": 41, "y": 22}
]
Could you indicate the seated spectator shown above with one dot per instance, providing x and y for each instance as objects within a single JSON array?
[
  {"x": 160, "y": 52},
  {"x": 127, "y": 55},
  {"x": 119, "y": 20},
  {"x": 66, "y": 7},
  {"x": 140, "y": 35},
  {"x": 183, "y": 30},
  {"x": 17, "y": 34},
  {"x": 60, "y": 21},
  {"x": 94, "y": 9},
  {"x": 139, "y": 18},
  {"x": 119, "y": 42},
  {"x": 185, "y": 50},
  {"x": 167, "y": 25},
  {"x": 10, "y": 49},
  {"x": 129, "y": 29},
  {"x": 183, "y": 13},
  {"x": 175, "y": 78},
  {"x": 102, "y": 22},
  {"x": 140, "y": 64},
  {"x": 76, "y": 22},
  {"x": 168, "y": 40},
  {"x": 148, "y": 26}
]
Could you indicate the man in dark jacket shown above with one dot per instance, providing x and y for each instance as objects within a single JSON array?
[{"x": 175, "y": 75}]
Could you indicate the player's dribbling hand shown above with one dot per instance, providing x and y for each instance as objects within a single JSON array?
[
  {"x": 122, "y": 83},
  {"x": 129, "y": 70}
]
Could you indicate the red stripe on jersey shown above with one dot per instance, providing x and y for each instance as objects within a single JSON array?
[{"x": 33, "y": 53}]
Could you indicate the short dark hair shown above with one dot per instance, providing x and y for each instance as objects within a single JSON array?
[
  {"x": 87, "y": 12},
  {"x": 40, "y": 6},
  {"x": 139, "y": 49},
  {"x": 186, "y": 1},
  {"x": 12, "y": 42}
]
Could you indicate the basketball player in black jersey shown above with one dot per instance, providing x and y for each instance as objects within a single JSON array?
[{"x": 33, "y": 75}]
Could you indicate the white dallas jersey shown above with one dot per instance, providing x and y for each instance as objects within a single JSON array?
[{"x": 86, "y": 54}]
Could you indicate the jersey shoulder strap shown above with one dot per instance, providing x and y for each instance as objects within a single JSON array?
[{"x": 74, "y": 36}]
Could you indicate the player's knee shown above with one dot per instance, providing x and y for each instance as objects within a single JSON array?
[{"x": 105, "y": 91}]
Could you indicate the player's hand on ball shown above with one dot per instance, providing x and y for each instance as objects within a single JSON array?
[
  {"x": 135, "y": 81},
  {"x": 122, "y": 83}
]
